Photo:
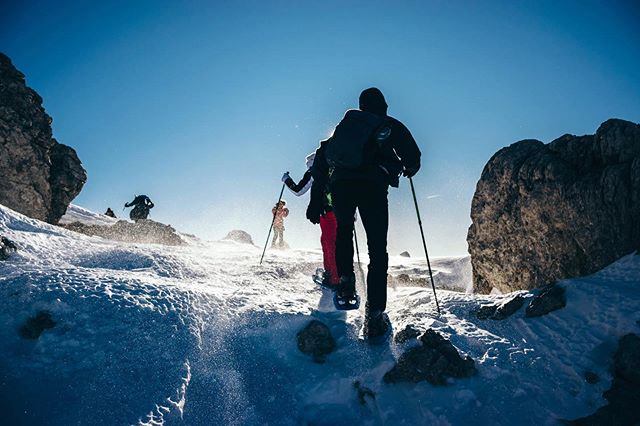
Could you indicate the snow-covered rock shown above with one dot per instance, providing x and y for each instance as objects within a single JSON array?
[
  {"x": 202, "y": 334},
  {"x": 239, "y": 236},
  {"x": 86, "y": 217}
]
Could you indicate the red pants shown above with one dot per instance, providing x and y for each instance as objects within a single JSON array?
[{"x": 328, "y": 229}]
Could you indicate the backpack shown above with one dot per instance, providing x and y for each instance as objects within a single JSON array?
[{"x": 346, "y": 148}]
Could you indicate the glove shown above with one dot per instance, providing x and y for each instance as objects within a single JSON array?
[
  {"x": 410, "y": 171},
  {"x": 285, "y": 176},
  {"x": 314, "y": 211}
]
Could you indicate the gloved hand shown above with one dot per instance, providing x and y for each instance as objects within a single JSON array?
[
  {"x": 314, "y": 211},
  {"x": 285, "y": 176},
  {"x": 410, "y": 171}
]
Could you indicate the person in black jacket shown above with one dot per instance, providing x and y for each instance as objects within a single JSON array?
[
  {"x": 141, "y": 206},
  {"x": 365, "y": 188}
]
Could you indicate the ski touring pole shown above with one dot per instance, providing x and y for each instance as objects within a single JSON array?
[
  {"x": 360, "y": 270},
  {"x": 272, "y": 222},
  {"x": 424, "y": 244}
]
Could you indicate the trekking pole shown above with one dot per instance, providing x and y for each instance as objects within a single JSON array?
[
  {"x": 424, "y": 244},
  {"x": 355, "y": 237},
  {"x": 360, "y": 270},
  {"x": 272, "y": 222}
]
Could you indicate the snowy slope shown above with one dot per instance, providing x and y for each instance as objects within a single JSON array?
[
  {"x": 80, "y": 214},
  {"x": 203, "y": 335}
]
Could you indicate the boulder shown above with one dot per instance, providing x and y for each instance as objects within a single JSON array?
[
  {"x": 405, "y": 254},
  {"x": 551, "y": 298},
  {"x": 545, "y": 212},
  {"x": 144, "y": 231},
  {"x": 39, "y": 176},
  {"x": 315, "y": 339},
  {"x": 435, "y": 360},
  {"x": 239, "y": 236},
  {"x": 7, "y": 247}
]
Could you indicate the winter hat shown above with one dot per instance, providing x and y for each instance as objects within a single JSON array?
[{"x": 372, "y": 100}]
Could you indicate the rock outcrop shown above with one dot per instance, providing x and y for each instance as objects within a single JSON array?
[
  {"x": 145, "y": 231},
  {"x": 38, "y": 176},
  {"x": 542, "y": 213}
]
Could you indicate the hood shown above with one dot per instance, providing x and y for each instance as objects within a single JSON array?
[{"x": 372, "y": 100}]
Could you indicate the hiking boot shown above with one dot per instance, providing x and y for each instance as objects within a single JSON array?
[
  {"x": 347, "y": 286},
  {"x": 376, "y": 324},
  {"x": 327, "y": 280}
]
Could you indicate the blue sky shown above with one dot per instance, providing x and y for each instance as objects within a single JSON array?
[{"x": 203, "y": 105}]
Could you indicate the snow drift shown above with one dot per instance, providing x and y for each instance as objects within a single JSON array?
[{"x": 201, "y": 334}]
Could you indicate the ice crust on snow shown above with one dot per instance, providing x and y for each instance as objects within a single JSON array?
[{"x": 201, "y": 334}]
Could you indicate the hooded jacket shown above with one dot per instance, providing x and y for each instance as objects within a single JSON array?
[{"x": 385, "y": 163}]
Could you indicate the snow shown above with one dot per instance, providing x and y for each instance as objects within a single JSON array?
[
  {"x": 202, "y": 334},
  {"x": 80, "y": 214}
]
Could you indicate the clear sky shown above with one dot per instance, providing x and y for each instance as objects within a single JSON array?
[{"x": 203, "y": 105}]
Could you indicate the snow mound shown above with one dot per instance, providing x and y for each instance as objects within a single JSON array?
[
  {"x": 201, "y": 334},
  {"x": 86, "y": 217}
]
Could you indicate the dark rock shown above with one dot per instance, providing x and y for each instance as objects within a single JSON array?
[
  {"x": 405, "y": 254},
  {"x": 34, "y": 326},
  {"x": 144, "y": 231},
  {"x": 434, "y": 361},
  {"x": 486, "y": 311},
  {"x": 406, "y": 334},
  {"x": 542, "y": 213},
  {"x": 551, "y": 298},
  {"x": 239, "y": 236},
  {"x": 7, "y": 247},
  {"x": 363, "y": 393},
  {"x": 626, "y": 361},
  {"x": 502, "y": 311},
  {"x": 624, "y": 396},
  {"x": 315, "y": 339},
  {"x": 40, "y": 177},
  {"x": 508, "y": 308},
  {"x": 591, "y": 377}
]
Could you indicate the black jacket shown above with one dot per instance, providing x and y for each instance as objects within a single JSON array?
[{"x": 383, "y": 164}]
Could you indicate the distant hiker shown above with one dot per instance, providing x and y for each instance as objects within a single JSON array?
[
  {"x": 367, "y": 152},
  {"x": 141, "y": 205},
  {"x": 110, "y": 213},
  {"x": 279, "y": 211},
  {"x": 328, "y": 223},
  {"x": 6, "y": 248}
]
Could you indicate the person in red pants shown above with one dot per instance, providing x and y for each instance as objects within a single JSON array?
[{"x": 328, "y": 223}]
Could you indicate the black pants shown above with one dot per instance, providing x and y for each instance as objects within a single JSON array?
[{"x": 370, "y": 198}]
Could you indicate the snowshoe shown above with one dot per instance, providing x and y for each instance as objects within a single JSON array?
[
  {"x": 345, "y": 298},
  {"x": 323, "y": 279}
]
